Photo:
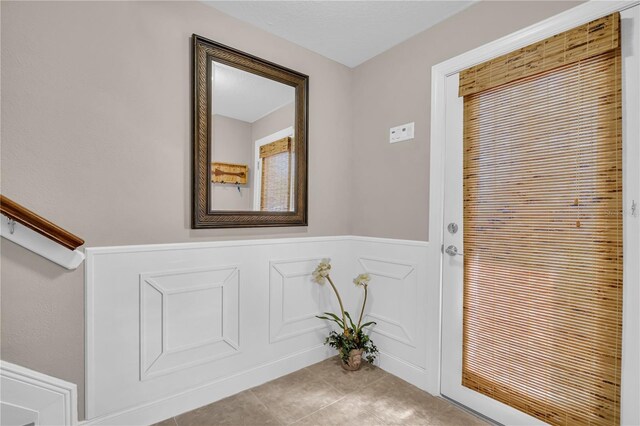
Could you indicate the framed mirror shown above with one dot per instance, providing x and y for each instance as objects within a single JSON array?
[{"x": 249, "y": 140}]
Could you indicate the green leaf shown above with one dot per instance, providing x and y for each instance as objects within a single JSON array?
[
  {"x": 336, "y": 319},
  {"x": 353, "y": 326},
  {"x": 366, "y": 324},
  {"x": 330, "y": 319}
]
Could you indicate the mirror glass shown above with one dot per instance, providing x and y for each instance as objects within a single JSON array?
[{"x": 252, "y": 142}]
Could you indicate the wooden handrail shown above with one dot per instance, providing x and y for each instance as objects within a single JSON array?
[{"x": 31, "y": 220}]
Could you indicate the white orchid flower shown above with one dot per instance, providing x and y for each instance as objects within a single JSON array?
[
  {"x": 322, "y": 271},
  {"x": 362, "y": 279}
]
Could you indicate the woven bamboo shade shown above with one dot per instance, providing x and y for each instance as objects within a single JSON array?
[
  {"x": 542, "y": 187},
  {"x": 273, "y": 148},
  {"x": 275, "y": 192},
  {"x": 582, "y": 42}
]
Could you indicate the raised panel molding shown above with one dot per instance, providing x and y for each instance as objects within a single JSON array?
[
  {"x": 394, "y": 304},
  {"x": 294, "y": 300},
  {"x": 187, "y": 317},
  {"x": 27, "y": 396}
]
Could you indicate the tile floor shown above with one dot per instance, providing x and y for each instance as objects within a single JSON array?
[{"x": 325, "y": 394}]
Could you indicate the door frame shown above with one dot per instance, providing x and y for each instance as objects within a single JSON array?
[{"x": 581, "y": 14}]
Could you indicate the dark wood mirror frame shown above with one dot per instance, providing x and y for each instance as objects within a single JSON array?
[{"x": 204, "y": 51}]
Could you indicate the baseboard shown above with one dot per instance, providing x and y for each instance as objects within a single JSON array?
[{"x": 191, "y": 399}]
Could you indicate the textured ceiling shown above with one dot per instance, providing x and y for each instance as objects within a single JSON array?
[
  {"x": 245, "y": 96},
  {"x": 349, "y": 32}
]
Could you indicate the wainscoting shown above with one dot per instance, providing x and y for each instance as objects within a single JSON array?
[
  {"x": 177, "y": 326},
  {"x": 29, "y": 397}
]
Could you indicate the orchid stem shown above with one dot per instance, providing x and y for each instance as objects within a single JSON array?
[
  {"x": 344, "y": 317},
  {"x": 364, "y": 303}
]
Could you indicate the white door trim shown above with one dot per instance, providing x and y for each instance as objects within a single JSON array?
[
  {"x": 630, "y": 385},
  {"x": 630, "y": 413},
  {"x": 50, "y": 400}
]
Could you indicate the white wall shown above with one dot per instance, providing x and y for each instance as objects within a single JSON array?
[{"x": 146, "y": 362}]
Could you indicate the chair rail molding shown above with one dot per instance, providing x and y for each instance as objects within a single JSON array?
[{"x": 27, "y": 396}]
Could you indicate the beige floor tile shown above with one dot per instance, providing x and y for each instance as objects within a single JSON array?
[
  {"x": 395, "y": 401},
  {"x": 454, "y": 416},
  {"x": 347, "y": 411},
  {"x": 296, "y": 395},
  {"x": 168, "y": 422},
  {"x": 325, "y": 394},
  {"x": 240, "y": 409},
  {"x": 346, "y": 381}
]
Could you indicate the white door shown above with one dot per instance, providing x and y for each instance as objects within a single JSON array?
[{"x": 453, "y": 260}]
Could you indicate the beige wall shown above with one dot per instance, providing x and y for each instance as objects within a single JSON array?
[
  {"x": 273, "y": 122},
  {"x": 96, "y": 136},
  {"x": 96, "y": 127},
  {"x": 390, "y": 183},
  {"x": 232, "y": 143}
]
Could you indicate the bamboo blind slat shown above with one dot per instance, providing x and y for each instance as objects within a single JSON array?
[
  {"x": 275, "y": 192},
  {"x": 580, "y": 43},
  {"x": 542, "y": 190},
  {"x": 276, "y": 147}
]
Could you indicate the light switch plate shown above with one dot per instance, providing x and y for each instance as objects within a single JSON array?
[{"x": 401, "y": 133}]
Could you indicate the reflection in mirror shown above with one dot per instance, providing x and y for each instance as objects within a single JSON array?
[{"x": 252, "y": 142}]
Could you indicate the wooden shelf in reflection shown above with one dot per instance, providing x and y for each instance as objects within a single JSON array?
[{"x": 229, "y": 173}]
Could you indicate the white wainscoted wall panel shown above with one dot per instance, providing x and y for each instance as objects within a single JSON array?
[
  {"x": 27, "y": 397},
  {"x": 174, "y": 327},
  {"x": 394, "y": 280},
  {"x": 293, "y": 303},
  {"x": 187, "y": 317},
  {"x": 404, "y": 305}
]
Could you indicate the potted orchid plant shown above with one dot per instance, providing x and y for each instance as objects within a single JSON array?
[{"x": 351, "y": 342}]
